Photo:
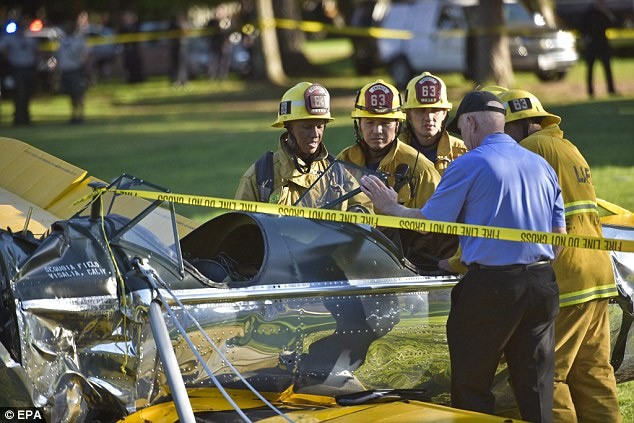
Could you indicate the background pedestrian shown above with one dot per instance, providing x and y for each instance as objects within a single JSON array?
[
  {"x": 595, "y": 21},
  {"x": 72, "y": 61}
]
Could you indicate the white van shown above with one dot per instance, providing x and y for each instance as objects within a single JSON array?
[{"x": 439, "y": 31}]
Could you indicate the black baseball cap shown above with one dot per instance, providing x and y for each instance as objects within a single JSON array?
[{"x": 476, "y": 101}]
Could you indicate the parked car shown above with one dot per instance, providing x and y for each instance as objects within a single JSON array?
[
  {"x": 535, "y": 47},
  {"x": 200, "y": 57},
  {"x": 440, "y": 30},
  {"x": 155, "y": 51}
]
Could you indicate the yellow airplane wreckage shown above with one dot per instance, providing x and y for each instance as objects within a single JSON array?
[{"x": 115, "y": 308}]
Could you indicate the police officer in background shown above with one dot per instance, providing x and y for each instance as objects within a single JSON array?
[
  {"x": 282, "y": 177},
  {"x": 22, "y": 55},
  {"x": 427, "y": 108},
  {"x": 585, "y": 386}
]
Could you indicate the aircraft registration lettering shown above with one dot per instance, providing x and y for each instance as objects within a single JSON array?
[
  {"x": 75, "y": 270},
  {"x": 63, "y": 271}
]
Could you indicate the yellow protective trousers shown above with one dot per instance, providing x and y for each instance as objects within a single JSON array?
[{"x": 585, "y": 386}]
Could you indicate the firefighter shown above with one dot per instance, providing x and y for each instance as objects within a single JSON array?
[
  {"x": 282, "y": 177},
  {"x": 427, "y": 108},
  {"x": 585, "y": 385},
  {"x": 378, "y": 116}
]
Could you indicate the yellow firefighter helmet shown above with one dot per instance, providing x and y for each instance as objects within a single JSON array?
[
  {"x": 520, "y": 104},
  {"x": 378, "y": 99},
  {"x": 426, "y": 90},
  {"x": 305, "y": 100}
]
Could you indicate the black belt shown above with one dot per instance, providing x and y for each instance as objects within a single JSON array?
[{"x": 478, "y": 266}]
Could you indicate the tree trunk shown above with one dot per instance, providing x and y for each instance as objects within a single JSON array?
[
  {"x": 269, "y": 43},
  {"x": 491, "y": 62},
  {"x": 291, "y": 41}
]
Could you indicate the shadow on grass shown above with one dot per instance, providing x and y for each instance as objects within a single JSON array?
[
  {"x": 255, "y": 93},
  {"x": 244, "y": 91}
]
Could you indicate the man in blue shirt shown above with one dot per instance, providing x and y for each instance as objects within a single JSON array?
[{"x": 508, "y": 300}]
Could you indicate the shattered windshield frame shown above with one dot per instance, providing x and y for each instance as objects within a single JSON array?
[{"x": 149, "y": 226}]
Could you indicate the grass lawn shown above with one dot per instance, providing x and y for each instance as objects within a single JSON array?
[
  {"x": 201, "y": 138},
  {"x": 181, "y": 139}
]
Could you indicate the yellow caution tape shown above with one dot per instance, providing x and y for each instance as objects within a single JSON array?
[
  {"x": 421, "y": 225},
  {"x": 620, "y": 33},
  {"x": 313, "y": 27}
]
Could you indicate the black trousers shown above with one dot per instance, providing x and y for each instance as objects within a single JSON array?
[
  {"x": 603, "y": 53},
  {"x": 24, "y": 80},
  {"x": 510, "y": 311}
]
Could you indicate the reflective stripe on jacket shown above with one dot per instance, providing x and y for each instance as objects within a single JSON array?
[{"x": 582, "y": 274}]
